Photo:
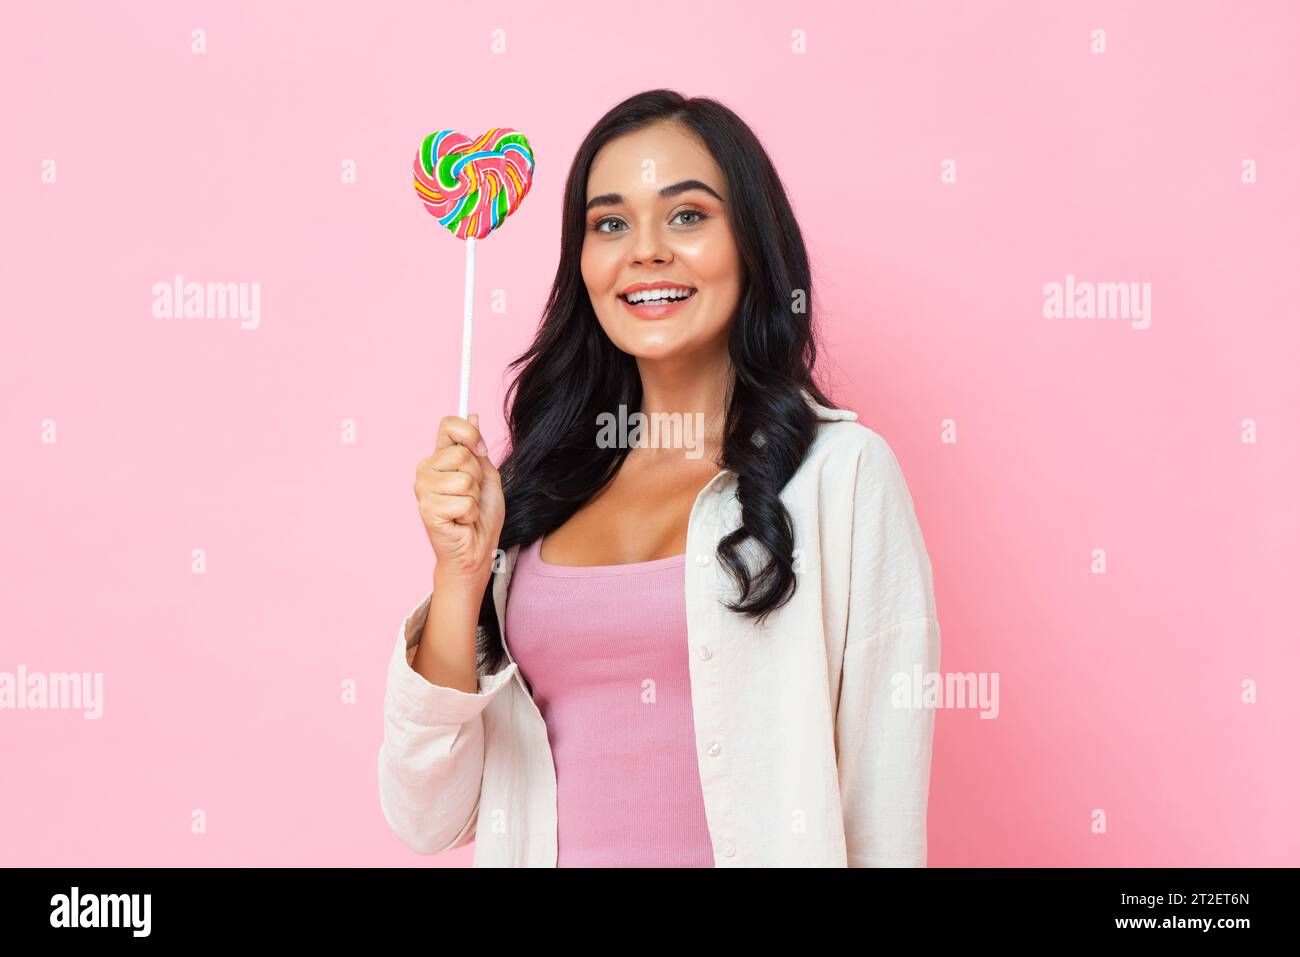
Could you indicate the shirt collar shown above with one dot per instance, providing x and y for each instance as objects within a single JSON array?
[{"x": 826, "y": 412}]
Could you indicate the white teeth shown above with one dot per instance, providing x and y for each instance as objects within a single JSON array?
[{"x": 654, "y": 295}]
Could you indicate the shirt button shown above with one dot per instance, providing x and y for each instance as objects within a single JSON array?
[
  {"x": 703, "y": 558},
  {"x": 705, "y": 654},
  {"x": 729, "y": 849},
  {"x": 715, "y": 749}
]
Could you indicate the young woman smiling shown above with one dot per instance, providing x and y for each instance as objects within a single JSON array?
[{"x": 701, "y": 648}]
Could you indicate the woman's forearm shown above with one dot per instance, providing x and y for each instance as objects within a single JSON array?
[{"x": 446, "y": 654}]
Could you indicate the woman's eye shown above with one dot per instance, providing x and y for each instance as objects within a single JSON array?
[{"x": 613, "y": 224}]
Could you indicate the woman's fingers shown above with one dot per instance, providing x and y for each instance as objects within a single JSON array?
[
  {"x": 453, "y": 429},
  {"x": 457, "y": 458}
]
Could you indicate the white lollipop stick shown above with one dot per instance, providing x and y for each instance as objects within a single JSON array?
[{"x": 467, "y": 334}]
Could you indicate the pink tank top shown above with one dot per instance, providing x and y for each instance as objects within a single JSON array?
[{"x": 604, "y": 650}]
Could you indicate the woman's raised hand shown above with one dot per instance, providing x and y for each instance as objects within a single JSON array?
[{"x": 461, "y": 503}]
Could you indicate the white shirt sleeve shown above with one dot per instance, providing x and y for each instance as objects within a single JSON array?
[
  {"x": 883, "y": 748},
  {"x": 431, "y": 759}
]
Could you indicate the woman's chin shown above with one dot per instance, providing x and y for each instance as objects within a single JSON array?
[
  {"x": 657, "y": 339},
  {"x": 658, "y": 343}
]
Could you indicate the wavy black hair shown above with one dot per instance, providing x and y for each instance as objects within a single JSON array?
[{"x": 572, "y": 372}]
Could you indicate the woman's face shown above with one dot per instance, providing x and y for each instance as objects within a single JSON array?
[{"x": 657, "y": 214}]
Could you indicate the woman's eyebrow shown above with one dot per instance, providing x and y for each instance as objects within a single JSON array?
[{"x": 613, "y": 199}]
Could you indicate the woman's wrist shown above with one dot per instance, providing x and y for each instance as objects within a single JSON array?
[{"x": 459, "y": 588}]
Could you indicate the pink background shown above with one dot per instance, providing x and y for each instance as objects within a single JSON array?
[{"x": 223, "y": 691}]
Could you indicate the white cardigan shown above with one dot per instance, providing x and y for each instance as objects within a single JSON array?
[{"x": 803, "y": 760}]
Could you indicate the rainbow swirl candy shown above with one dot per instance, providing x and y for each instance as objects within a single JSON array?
[{"x": 472, "y": 185}]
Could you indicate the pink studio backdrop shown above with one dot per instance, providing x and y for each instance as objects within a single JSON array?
[{"x": 224, "y": 692}]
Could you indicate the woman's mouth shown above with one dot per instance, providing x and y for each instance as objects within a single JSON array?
[{"x": 665, "y": 303}]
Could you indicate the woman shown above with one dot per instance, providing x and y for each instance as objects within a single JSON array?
[{"x": 704, "y": 632}]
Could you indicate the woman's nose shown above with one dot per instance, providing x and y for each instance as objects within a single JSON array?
[{"x": 651, "y": 250}]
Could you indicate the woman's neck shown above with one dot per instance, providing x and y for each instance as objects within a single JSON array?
[{"x": 690, "y": 389}]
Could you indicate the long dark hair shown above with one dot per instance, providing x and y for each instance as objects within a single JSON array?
[{"x": 572, "y": 372}]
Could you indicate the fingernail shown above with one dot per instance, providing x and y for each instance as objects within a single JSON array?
[{"x": 481, "y": 448}]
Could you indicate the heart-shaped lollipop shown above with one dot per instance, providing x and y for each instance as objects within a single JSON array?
[{"x": 470, "y": 185}]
